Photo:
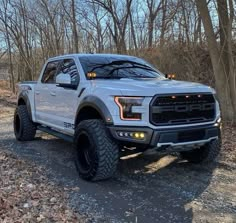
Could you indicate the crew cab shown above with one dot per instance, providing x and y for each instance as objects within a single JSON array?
[{"x": 108, "y": 103}]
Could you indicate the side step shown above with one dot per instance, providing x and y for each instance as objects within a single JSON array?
[{"x": 55, "y": 133}]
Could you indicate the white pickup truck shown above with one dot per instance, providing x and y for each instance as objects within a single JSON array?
[{"x": 107, "y": 103}]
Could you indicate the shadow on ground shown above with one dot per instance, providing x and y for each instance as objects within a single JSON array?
[{"x": 146, "y": 188}]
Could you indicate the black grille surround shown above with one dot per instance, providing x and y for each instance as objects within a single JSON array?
[{"x": 180, "y": 109}]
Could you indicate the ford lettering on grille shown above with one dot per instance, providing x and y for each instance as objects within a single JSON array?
[{"x": 183, "y": 108}]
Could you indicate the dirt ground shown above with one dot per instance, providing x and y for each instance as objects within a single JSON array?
[{"x": 147, "y": 188}]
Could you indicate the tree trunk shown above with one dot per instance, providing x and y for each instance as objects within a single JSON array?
[
  {"x": 133, "y": 32},
  {"x": 163, "y": 24},
  {"x": 150, "y": 31},
  {"x": 223, "y": 87},
  {"x": 74, "y": 24},
  {"x": 12, "y": 80}
]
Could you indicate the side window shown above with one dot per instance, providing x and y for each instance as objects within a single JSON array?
[
  {"x": 68, "y": 66},
  {"x": 50, "y": 71}
]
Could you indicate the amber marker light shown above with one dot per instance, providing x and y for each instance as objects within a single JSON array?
[
  {"x": 91, "y": 75},
  {"x": 170, "y": 76}
]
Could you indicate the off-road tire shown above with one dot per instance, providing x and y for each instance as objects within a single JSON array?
[
  {"x": 24, "y": 128},
  {"x": 205, "y": 154},
  {"x": 100, "y": 162}
]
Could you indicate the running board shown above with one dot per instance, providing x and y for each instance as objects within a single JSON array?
[{"x": 55, "y": 133}]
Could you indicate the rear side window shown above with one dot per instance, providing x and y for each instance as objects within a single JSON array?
[
  {"x": 49, "y": 75},
  {"x": 68, "y": 66}
]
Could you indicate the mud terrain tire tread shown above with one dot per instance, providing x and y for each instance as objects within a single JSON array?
[
  {"x": 105, "y": 150},
  {"x": 206, "y": 154},
  {"x": 26, "y": 129}
]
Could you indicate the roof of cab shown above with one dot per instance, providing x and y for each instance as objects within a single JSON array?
[{"x": 89, "y": 55}]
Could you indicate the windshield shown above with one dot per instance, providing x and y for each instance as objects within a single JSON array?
[{"x": 118, "y": 67}]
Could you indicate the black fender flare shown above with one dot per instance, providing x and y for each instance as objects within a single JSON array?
[
  {"x": 24, "y": 96},
  {"x": 98, "y": 105}
]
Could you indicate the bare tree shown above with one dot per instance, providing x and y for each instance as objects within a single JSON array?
[
  {"x": 71, "y": 13},
  {"x": 224, "y": 72},
  {"x": 4, "y": 19},
  {"x": 118, "y": 28},
  {"x": 36, "y": 30},
  {"x": 153, "y": 8}
]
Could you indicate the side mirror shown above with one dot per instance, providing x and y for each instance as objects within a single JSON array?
[
  {"x": 170, "y": 76},
  {"x": 63, "y": 79}
]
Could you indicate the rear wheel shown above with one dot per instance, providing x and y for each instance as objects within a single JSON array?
[
  {"x": 24, "y": 128},
  {"x": 96, "y": 154},
  {"x": 205, "y": 154}
]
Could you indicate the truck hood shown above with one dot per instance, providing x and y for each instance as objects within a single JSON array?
[{"x": 146, "y": 87}]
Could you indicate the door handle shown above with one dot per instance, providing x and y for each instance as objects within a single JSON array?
[
  {"x": 53, "y": 93},
  {"x": 37, "y": 92}
]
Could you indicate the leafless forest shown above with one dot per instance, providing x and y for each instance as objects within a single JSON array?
[{"x": 196, "y": 39}]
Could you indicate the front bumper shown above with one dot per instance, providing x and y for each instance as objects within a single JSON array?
[{"x": 172, "y": 137}]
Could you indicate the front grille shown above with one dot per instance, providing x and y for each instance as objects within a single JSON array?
[{"x": 182, "y": 109}]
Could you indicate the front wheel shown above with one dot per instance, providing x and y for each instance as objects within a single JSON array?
[
  {"x": 96, "y": 154},
  {"x": 205, "y": 154}
]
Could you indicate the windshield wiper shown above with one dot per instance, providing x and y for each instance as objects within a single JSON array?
[
  {"x": 135, "y": 75},
  {"x": 120, "y": 62}
]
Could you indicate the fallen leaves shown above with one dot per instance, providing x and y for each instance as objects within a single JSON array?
[
  {"x": 228, "y": 152},
  {"x": 26, "y": 195}
]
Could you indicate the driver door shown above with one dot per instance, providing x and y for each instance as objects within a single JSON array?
[
  {"x": 66, "y": 98},
  {"x": 45, "y": 95}
]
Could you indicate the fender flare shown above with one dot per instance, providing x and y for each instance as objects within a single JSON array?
[
  {"x": 98, "y": 105},
  {"x": 23, "y": 96}
]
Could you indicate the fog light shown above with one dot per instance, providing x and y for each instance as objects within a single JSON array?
[
  {"x": 121, "y": 134},
  {"x": 132, "y": 135},
  {"x": 142, "y": 135},
  {"x": 136, "y": 135},
  {"x": 139, "y": 135}
]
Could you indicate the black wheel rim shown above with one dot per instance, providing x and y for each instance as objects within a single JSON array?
[{"x": 84, "y": 152}]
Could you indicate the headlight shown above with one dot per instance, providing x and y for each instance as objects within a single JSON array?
[
  {"x": 216, "y": 96},
  {"x": 217, "y": 109},
  {"x": 217, "y": 104},
  {"x": 125, "y": 105}
]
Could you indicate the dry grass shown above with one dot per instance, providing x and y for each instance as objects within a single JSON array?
[
  {"x": 229, "y": 143},
  {"x": 190, "y": 64},
  {"x": 6, "y": 93}
]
